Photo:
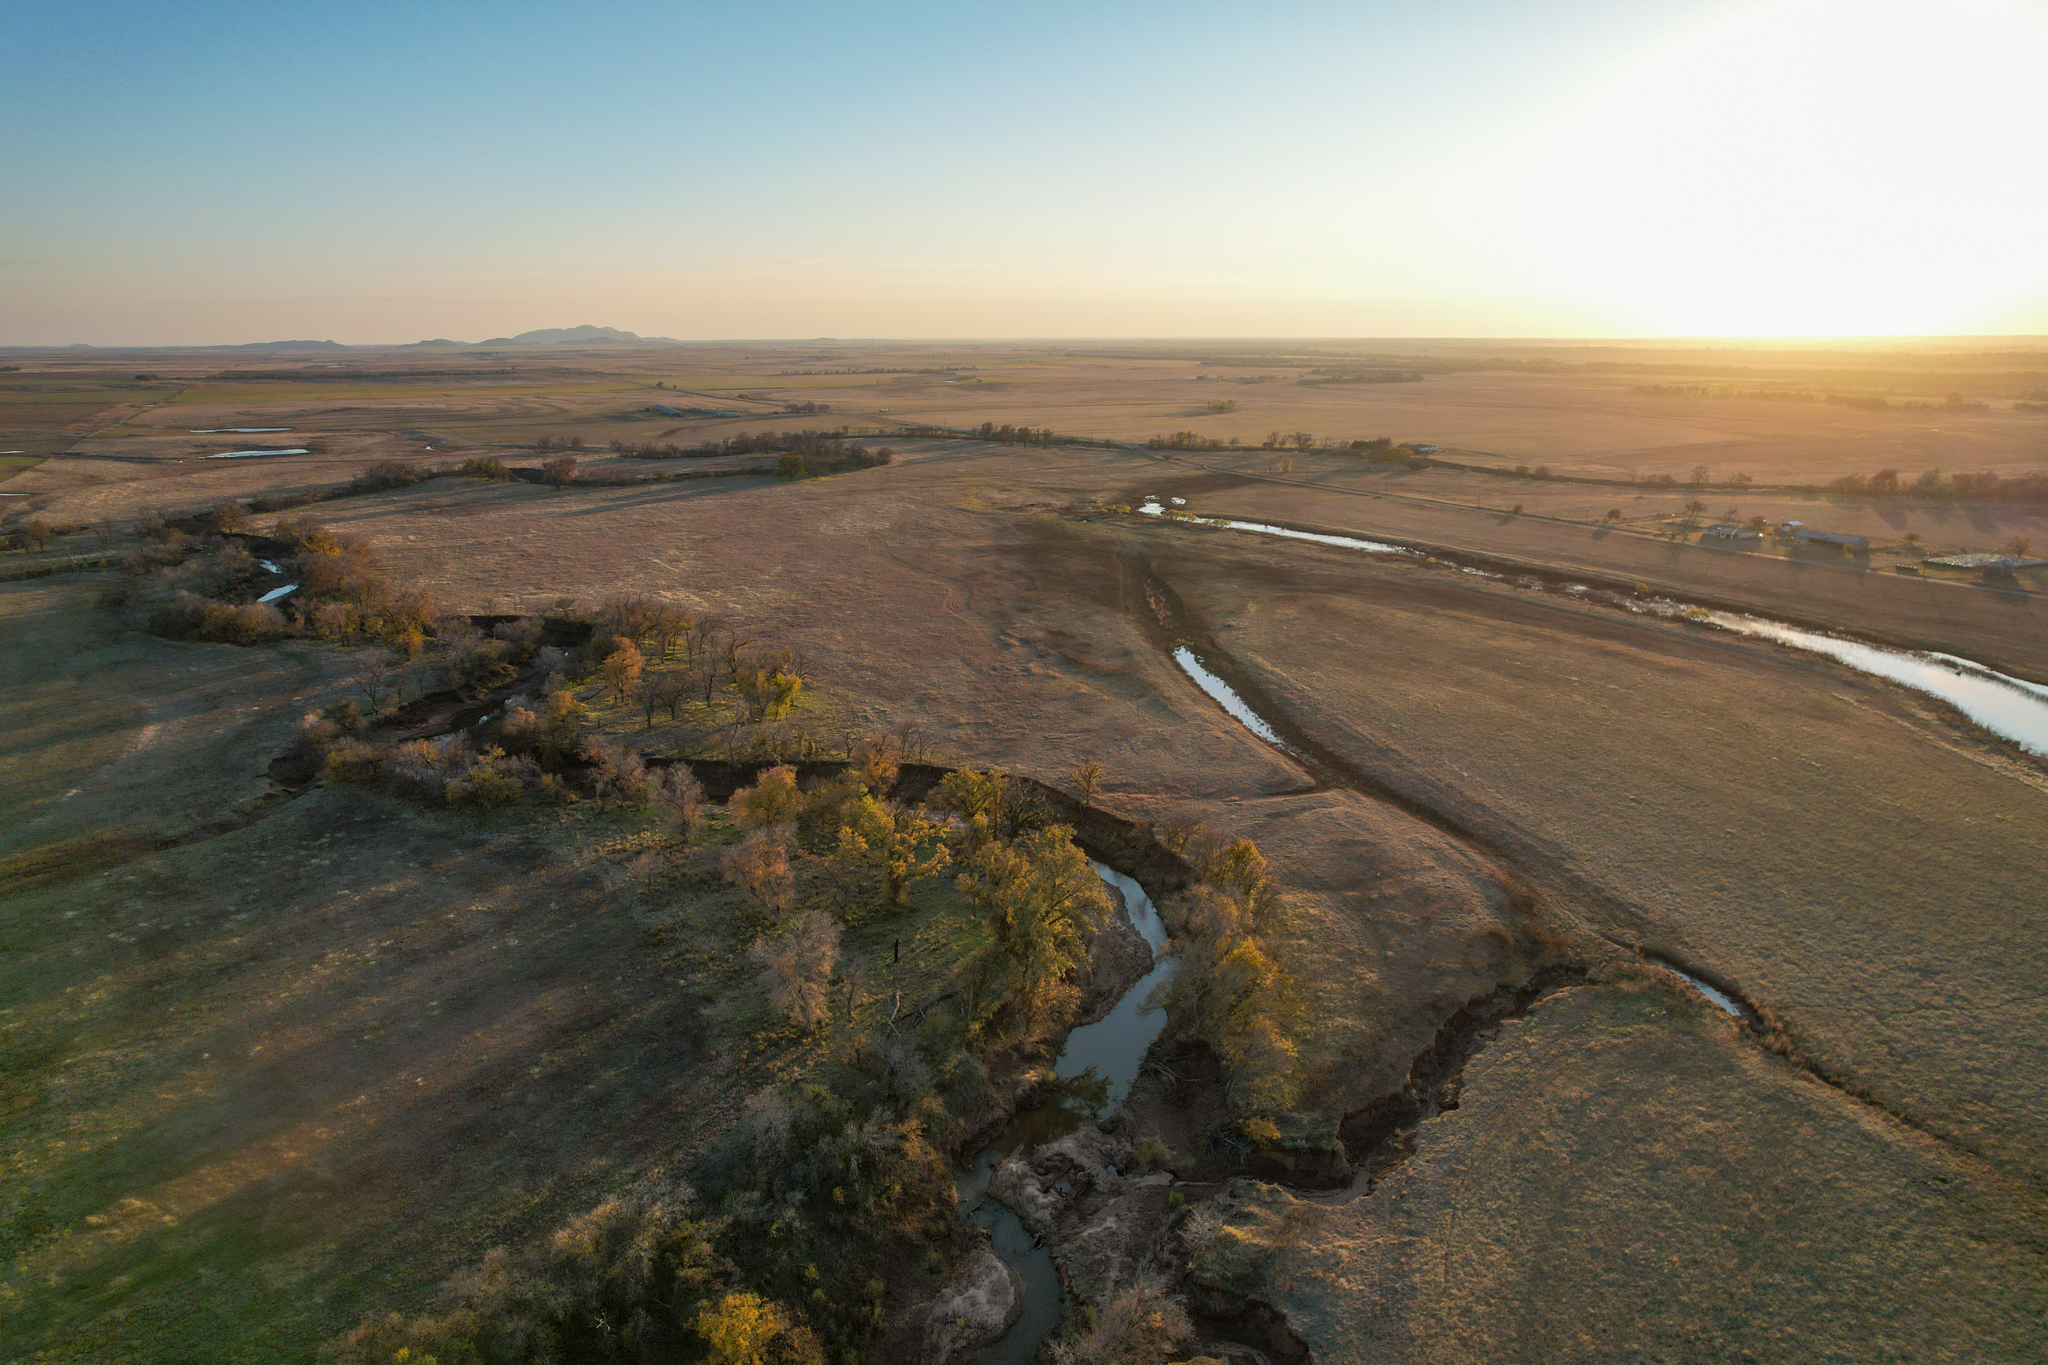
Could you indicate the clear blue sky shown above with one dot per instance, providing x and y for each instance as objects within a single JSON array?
[{"x": 228, "y": 172}]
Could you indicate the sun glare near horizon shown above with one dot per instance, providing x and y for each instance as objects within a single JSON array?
[{"x": 1815, "y": 169}]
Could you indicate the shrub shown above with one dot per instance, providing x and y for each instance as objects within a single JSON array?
[
  {"x": 1155, "y": 1155},
  {"x": 484, "y": 467},
  {"x": 559, "y": 472},
  {"x": 350, "y": 760},
  {"x": 244, "y": 625},
  {"x": 388, "y": 474},
  {"x": 489, "y": 781}
]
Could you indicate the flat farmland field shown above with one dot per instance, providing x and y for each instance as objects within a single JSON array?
[{"x": 1649, "y": 991}]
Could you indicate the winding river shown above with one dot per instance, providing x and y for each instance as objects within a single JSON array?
[
  {"x": 1112, "y": 1049},
  {"x": 2011, "y": 708}
]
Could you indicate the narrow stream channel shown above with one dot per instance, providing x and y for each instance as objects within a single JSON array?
[
  {"x": 1112, "y": 1049},
  {"x": 2011, "y": 708}
]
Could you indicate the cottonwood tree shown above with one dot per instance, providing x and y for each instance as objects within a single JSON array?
[
  {"x": 768, "y": 687},
  {"x": 759, "y": 867},
  {"x": 622, "y": 667},
  {"x": 1231, "y": 995},
  {"x": 981, "y": 800},
  {"x": 875, "y": 762},
  {"x": 746, "y": 1329},
  {"x": 1041, "y": 903},
  {"x": 885, "y": 838},
  {"x": 796, "y": 968},
  {"x": 773, "y": 802}
]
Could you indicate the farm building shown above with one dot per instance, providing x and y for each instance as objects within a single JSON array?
[
  {"x": 665, "y": 410},
  {"x": 1853, "y": 544},
  {"x": 1729, "y": 531},
  {"x": 1992, "y": 568}
]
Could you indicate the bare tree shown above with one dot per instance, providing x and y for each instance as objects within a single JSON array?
[
  {"x": 1087, "y": 779},
  {"x": 681, "y": 797},
  {"x": 668, "y": 688},
  {"x": 796, "y": 968},
  {"x": 668, "y": 624},
  {"x": 376, "y": 674}
]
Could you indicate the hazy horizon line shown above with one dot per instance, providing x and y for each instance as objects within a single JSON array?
[{"x": 1531, "y": 339}]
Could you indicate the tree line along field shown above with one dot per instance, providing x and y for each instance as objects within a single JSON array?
[{"x": 297, "y": 1046}]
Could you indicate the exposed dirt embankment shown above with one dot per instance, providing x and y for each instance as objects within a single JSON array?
[
  {"x": 1120, "y": 958},
  {"x": 1381, "y": 1135}
]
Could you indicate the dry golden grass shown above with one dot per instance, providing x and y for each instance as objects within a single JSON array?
[
  {"x": 1627, "y": 1180},
  {"x": 346, "y": 1046}
]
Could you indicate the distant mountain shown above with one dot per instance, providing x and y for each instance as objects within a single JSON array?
[
  {"x": 437, "y": 341},
  {"x": 585, "y": 335},
  {"x": 288, "y": 346}
]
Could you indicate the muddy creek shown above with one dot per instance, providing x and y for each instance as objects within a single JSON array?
[
  {"x": 2010, "y": 708},
  {"x": 1102, "y": 1059}
]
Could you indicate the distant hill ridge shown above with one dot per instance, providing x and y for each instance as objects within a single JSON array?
[
  {"x": 585, "y": 335},
  {"x": 571, "y": 336}
]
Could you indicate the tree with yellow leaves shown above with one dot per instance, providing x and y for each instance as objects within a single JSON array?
[
  {"x": 1041, "y": 904},
  {"x": 887, "y": 839},
  {"x": 1231, "y": 995},
  {"x": 746, "y": 1329},
  {"x": 622, "y": 667},
  {"x": 773, "y": 800}
]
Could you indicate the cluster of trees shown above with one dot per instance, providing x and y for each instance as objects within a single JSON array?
[
  {"x": 1010, "y": 435},
  {"x": 1189, "y": 440},
  {"x": 483, "y": 467},
  {"x": 828, "y": 455},
  {"x": 1985, "y": 487},
  {"x": 545, "y": 750},
  {"x": 33, "y": 534},
  {"x": 634, "y": 639},
  {"x": 830, "y": 1177},
  {"x": 184, "y": 585},
  {"x": 1955, "y": 401},
  {"x": 930, "y": 369},
  {"x": 826, "y": 1179},
  {"x": 548, "y": 443},
  {"x": 745, "y": 443},
  {"x": 1228, "y": 991},
  {"x": 1361, "y": 377},
  {"x": 389, "y": 474}
]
